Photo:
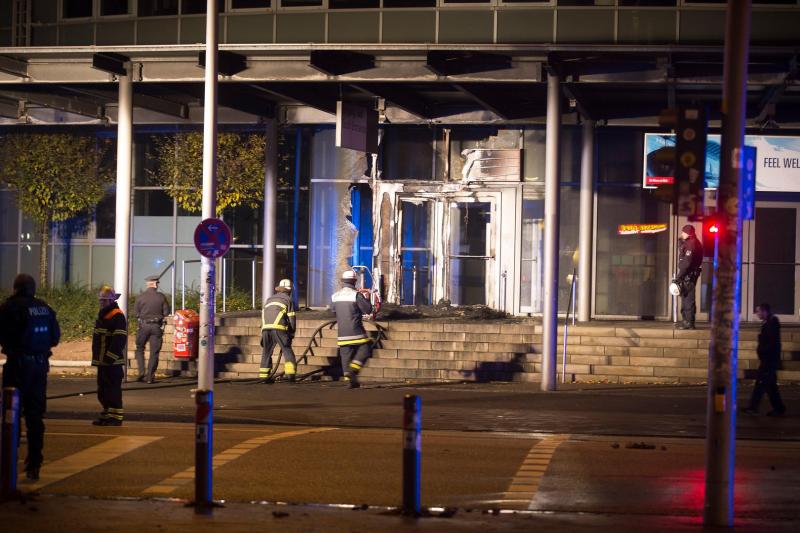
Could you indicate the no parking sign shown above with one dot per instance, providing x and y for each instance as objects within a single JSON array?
[{"x": 212, "y": 238}]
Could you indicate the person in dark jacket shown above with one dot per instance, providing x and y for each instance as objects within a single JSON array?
[
  {"x": 355, "y": 345},
  {"x": 769, "y": 358},
  {"x": 108, "y": 355},
  {"x": 151, "y": 308},
  {"x": 278, "y": 325},
  {"x": 28, "y": 331},
  {"x": 690, "y": 262}
]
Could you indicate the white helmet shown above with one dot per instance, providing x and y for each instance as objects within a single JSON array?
[
  {"x": 349, "y": 275},
  {"x": 674, "y": 288},
  {"x": 285, "y": 284}
]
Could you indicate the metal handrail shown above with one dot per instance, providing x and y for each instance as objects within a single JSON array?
[
  {"x": 171, "y": 265},
  {"x": 253, "y": 269},
  {"x": 570, "y": 305}
]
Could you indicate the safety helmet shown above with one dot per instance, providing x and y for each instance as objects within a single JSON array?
[
  {"x": 349, "y": 275},
  {"x": 674, "y": 288},
  {"x": 285, "y": 284},
  {"x": 107, "y": 293}
]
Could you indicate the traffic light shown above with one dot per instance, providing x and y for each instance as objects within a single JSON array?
[{"x": 711, "y": 231}]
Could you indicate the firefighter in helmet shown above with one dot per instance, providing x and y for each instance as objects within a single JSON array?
[
  {"x": 277, "y": 328},
  {"x": 355, "y": 346}
]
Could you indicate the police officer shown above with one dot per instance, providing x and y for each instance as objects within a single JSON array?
[
  {"x": 108, "y": 355},
  {"x": 28, "y": 331},
  {"x": 690, "y": 262},
  {"x": 355, "y": 346},
  {"x": 150, "y": 308},
  {"x": 278, "y": 324}
]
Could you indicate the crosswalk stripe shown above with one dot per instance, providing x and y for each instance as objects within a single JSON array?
[
  {"x": 88, "y": 458},
  {"x": 523, "y": 487},
  {"x": 183, "y": 477}
]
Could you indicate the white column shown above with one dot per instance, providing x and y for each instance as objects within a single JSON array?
[
  {"x": 205, "y": 374},
  {"x": 122, "y": 232},
  {"x": 586, "y": 223},
  {"x": 551, "y": 203},
  {"x": 270, "y": 210}
]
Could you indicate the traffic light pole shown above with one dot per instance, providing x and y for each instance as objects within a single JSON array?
[{"x": 723, "y": 352}]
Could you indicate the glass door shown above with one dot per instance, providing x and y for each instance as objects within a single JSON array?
[
  {"x": 415, "y": 251},
  {"x": 531, "y": 274},
  {"x": 471, "y": 251}
]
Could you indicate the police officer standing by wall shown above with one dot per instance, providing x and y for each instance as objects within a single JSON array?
[
  {"x": 108, "y": 355},
  {"x": 769, "y": 359},
  {"x": 28, "y": 331},
  {"x": 151, "y": 308},
  {"x": 690, "y": 262},
  {"x": 278, "y": 325},
  {"x": 355, "y": 346}
]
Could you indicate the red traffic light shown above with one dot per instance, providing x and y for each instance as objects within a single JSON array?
[{"x": 713, "y": 228}]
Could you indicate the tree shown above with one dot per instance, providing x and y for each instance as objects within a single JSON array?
[
  {"x": 56, "y": 176},
  {"x": 240, "y": 169}
]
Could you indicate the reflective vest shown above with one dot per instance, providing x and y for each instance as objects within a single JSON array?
[
  {"x": 110, "y": 337},
  {"x": 350, "y": 305},
  {"x": 278, "y": 313}
]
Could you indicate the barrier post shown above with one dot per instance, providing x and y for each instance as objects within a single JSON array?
[
  {"x": 412, "y": 448},
  {"x": 10, "y": 440},
  {"x": 203, "y": 452}
]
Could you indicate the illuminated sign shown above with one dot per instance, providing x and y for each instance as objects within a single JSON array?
[{"x": 640, "y": 229}]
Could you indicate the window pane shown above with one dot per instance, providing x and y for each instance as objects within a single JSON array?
[
  {"x": 76, "y": 8},
  {"x": 114, "y": 7},
  {"x": 353, "y": 4},
  {"x": 469, "y": 224},
  {"x": 149, "y": 260},
  {"x": 480, "y": 138},
  {"x": 102, "y": 265},
  {"x": 248, "y": 4},
  {"x": 468, "y": 281},
  {"x": 29, "y": 260},
  {"x": 407, "y": 153},
  {"x": 188, "y": 260},
  {"x": 619, "y": 155},
  {"x": 300, "y": 3},
  {"x": 196, "y": 7},
  {"x": 105, "y": 216},
  {"x": 152, "y": 220},
  {"x": 9, "y": 216},
  {"x": 532, "y": 252},
  {"x": 187, "y": 223},
  {"x": 71, "y": 265},
  {"x": 409, "y": 3},
  {"x": 153, "y": 8},
  {"x": 8, "y": 266},
  {"x": 74, "y": 228},
  {"x": 534, "y": 156}
]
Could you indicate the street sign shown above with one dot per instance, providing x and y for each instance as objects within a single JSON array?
[
  {"x": 212, "y": 238},
  {"x": 747, "y": 205},
  {"x": 356, "y": 127}
]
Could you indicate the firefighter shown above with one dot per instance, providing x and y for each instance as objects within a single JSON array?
[
  {"x": 28, "y": 331},
  {"x": 108, "y": 355},
  {"x": 355, "y": 346},
  {"x": 690, "y": 262},
  {"x": 151, "y": 308},
  {"x": 277, "y": 328}
]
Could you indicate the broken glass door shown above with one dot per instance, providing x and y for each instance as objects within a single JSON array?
[
  {"x": 471, "y": 252},
  {"x": 415, "y": 252}
]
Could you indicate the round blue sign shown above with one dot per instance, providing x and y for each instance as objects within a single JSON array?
[{"x": 212, "y": 238}]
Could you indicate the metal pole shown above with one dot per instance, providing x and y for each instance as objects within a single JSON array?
[
  {"x": 412, "y": 452},
  {"x": 224, "y": 282},
  {"x": 298, "y": 153},
  {"x": 573, "y": 294},
  {"x": 10, "y": 440},
  {"x": 253, "y": 283},
  {"x": 270, "y": 210},
  {"x": 551, "y": 204},
  {"x": 586, "y": 223},
  {"x": 414, "y": 285},
  {"x": 183, "y": 283},
  {"x": 172, "y": 294},
  {"x": 204, "y": 438},
  {"x": 723, "y": 350}
]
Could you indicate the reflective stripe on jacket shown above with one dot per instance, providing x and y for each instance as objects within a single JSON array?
[
  {"x": 350, "y": 305},
  {"x": 110, "y": 337},
  {"x": 279, "y": 313}
]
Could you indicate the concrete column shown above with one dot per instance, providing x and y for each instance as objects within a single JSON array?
[
  {"x": 122, "y": 232},
  {"x": 586, "y": 223},
  {"x": 551, "y": 203},
  {"x": 205, "y": 374},
  {"x": 270, "y": 210}
]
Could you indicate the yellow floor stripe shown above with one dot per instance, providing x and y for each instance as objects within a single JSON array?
[
  {"x": 523, "y": 487},
  {"x": 172, "y": 483},
  {"x": 86, "y": 459}
]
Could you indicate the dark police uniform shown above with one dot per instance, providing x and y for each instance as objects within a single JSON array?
[
  {"x": 769, "y": 357},
  {"x": 108, "y": 355},
  {"x": 690, "y": 262},
  {"x": 355, "y": 345},
  {"x": 150, "y": 308},
  {"x": 28, "y": 330},
  {"x": 278, "y": 323}
]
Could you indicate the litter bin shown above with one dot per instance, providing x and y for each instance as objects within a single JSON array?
[{"x": 186, "y": 335}]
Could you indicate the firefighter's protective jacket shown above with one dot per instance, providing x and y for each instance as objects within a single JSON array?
[
  {"x": 350, "y": 305},
  {"x": 110, "y": 337},
  {"x": 279, "y": 313}
]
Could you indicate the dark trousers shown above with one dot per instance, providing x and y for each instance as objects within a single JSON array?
[
  {"x": 767, "y": 382},
  {"x": 688, "y": 305},
  {"x": 109, "y": 390},
  {"x": 28, "y": 374},
  {"x": 269, "y": 339},
  {"x": 153, "y": 334},
  {"x": 354, "y": 357}
]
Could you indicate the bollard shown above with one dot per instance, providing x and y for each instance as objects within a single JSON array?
[
  {"x": 10, "y": 440},
  {"x": 412, "y": 448},
  {"x": 203, "y": 452}
]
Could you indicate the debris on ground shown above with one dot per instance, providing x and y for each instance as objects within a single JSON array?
[{"x": 640, "y": 446}]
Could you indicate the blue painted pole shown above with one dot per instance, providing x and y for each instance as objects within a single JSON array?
[
  {"x": 298, "y": 143},
  {"x": 203, "y": 452},
  {"x": 412, "y": 453},
  {"x": 10, "y": 441}
]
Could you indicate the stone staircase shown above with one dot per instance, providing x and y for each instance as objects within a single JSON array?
[{"x": 500, "y": 350}]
